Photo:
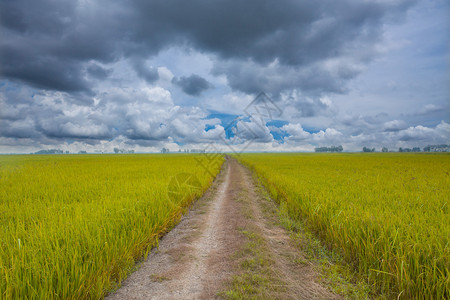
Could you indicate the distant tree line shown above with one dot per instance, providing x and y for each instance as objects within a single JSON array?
[
  {"x": 365, "y": 149},
  {"x": 193, "y": 150},
  {"x": 58, "y": 151},
  {"x": 117, "y": 150},
  {"x": 329, "y": 149},
  {"x": 414, "y": 149},
  {"x": 165, "y": 150},
  {"x": 429, "y": 148},
  {"x": 437, "y": 148},
  {"x": 51, "y": 151}
]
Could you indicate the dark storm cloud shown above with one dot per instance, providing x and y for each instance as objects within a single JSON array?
[
  {"x": 256, "y": 41},
  {"x": 295, "y": 32},
  {"x": 193, "y": 85},
  {"x": 47, "y": 43},
  {"x": 149, "y": 74},
  {"x": 98, "y": 71},
  {"x": 45, "y": 71},
  {"x": 315, "y": 79}
]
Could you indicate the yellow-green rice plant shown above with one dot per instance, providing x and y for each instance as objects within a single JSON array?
[
  {"x": 388, "y": 214},
  {"x": 73, "y": 226}
]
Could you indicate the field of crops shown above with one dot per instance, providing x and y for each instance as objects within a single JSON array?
[
  {"x": 387, "y": 213},
  {"x": 72, "y": 226}
]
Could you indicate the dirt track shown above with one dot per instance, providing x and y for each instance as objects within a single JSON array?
[{"x": 197, "y": 259}]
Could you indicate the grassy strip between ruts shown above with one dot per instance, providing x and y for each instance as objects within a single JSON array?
[
  {"x": 258, "y": 274},
  {"x": 255, "y": 275}
]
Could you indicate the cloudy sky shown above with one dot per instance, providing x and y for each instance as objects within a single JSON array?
[{"x": 97, "y": 74}]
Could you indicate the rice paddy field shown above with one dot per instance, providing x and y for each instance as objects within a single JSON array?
[
  {"x": 387, "y": 214},
  {"x": 72, "y": 226}
]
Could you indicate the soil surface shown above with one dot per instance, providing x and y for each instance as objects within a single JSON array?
[{"x": 197, "y": 259}]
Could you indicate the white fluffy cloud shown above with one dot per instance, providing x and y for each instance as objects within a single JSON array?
[{"x": 394, "y": 125}]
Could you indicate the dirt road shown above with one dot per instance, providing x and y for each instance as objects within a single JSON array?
[{"x": 227, "y": 246}]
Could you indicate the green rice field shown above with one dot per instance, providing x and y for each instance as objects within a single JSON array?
[
  {"x": 388, "y": 214},
  {"x": 73, "y": 226}
]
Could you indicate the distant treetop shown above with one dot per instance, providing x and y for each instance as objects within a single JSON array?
[{"x": 329, "y": 149}]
